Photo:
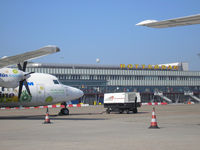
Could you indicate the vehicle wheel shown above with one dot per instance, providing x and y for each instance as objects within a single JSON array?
[
  {"x": 127, "y": 111},
  {"x": 135, "y": 110},
  {"x": 121, "y": 111},
  {"x": 64, "y": 111},
  {"x": 108, "y": 111}
]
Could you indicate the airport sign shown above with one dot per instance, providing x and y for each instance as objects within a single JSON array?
[{"x": 150, "y": 67}]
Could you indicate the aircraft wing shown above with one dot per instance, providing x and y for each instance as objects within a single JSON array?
[
  {"x": 183, "y": 21},
  {"x": 11, "y": 60}
]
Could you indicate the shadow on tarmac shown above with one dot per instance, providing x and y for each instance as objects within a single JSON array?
[
  {"x": 42, "y": 117},
  {"x": 65, "y": 117},
  {"x": 129, "y": 113}
]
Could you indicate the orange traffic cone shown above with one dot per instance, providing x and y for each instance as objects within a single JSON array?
[
  {"x": 153, "y": 121},
  {"x": 47, "y": 120}
]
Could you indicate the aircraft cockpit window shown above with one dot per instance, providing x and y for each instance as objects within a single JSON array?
[{"x": 55, "y": 82}]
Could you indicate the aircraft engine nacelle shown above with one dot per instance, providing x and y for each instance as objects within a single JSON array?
[
  {"x": 10, "y": 78},
  {"x": 10, "y": 84}
]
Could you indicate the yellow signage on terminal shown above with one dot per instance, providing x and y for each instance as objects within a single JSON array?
[{"x": 150, "y": 67}]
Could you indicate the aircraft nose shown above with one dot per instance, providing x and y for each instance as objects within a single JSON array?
[
  {"x": 73, "y": 93},
  {"x": 78, "y": 92}
]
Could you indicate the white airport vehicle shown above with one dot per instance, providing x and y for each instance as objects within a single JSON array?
[
  {"x": 182, "y": 21},
  {"x": 120, "y": 102},
  {"x": 40, "y": 89}
]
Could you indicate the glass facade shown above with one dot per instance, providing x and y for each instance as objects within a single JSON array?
[{"x": 99, "y": 79}]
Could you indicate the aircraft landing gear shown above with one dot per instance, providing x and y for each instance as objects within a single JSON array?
[{"x": 64, "y": 111}]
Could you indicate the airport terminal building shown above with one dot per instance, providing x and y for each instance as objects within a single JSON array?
[{"x": 167, "y": 82}]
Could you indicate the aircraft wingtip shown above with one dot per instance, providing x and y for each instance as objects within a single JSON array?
[
  {"x": 54, "y": 47},
  {"x": 57, "y": 49},
  {"x": 143, "y": 23}
]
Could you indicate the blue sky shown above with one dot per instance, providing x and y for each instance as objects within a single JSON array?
[{"x": 89, "y": 29}]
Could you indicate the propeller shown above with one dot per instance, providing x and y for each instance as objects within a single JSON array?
[{"x": 23, "y": 82}]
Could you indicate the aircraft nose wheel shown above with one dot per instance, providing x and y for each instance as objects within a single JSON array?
[{"x": 64, "y": 111}]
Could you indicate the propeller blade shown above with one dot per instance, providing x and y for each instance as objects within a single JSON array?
[
  {"x": 29, "y": 73},
  {"x": 24, "y": 66},
  {"x": 23, "y": 82},
  {"x": 19, "y": 66},
  {"x": 20, "y": 89},
  {"x": 27, "y": 88}
]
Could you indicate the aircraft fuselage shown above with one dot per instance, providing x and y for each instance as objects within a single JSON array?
[{"x": 45, "y": 90}]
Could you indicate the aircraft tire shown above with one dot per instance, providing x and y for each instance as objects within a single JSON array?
[{"x": 64, "y": 111}]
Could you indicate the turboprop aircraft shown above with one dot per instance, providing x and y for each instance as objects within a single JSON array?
[
  {"x": 40, "y": 89},
  {"x": 183, "y": 21}
]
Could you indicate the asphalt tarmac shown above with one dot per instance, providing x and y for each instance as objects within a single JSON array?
[{"x": 90, "y": 128}]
